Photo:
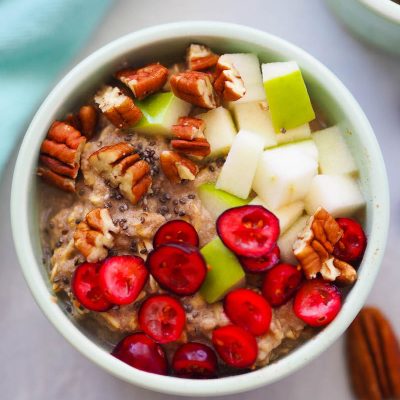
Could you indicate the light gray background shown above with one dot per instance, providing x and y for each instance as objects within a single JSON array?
[{"x": 37, "y": 363}]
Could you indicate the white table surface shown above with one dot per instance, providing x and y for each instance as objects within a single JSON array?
[{"x": 37, "y": 363}]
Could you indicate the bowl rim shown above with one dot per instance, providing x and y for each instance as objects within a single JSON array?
[
  {"x": 388, "y": 9},
  {"x": 24, "y": 172}
]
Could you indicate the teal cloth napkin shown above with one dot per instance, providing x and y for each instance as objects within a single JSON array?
[{"x": 37, "y": 40}]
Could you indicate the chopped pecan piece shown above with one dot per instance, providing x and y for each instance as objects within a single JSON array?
[
  {"x": 123, "y": 168},
  {"x": 119, "y": 108},
  {"x": 88, "y": 119},
  {"x": 60, "y": 156},
  {"x": 314, "y": 247},
  {"x": 195, "y": 88},
  {"x": 200, "y": 57},
  {"x": 373, "y": 356},
  {"x": 144, "y": 81},
  {"x": 199, "y": 147},
  {"x": 176, "y": 167},
  {"x": 94, "y": 235},
  {"x": 188, "y": 128},
  {"x": 228, "y": 82}
]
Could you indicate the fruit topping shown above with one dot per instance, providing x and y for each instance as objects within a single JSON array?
[
  {"x": 280, "y": 283},
  {"x": 195, "y": 88},
  {"x": 235, "y": 346},
  {"x": 162, "y": 318},
  {"x": 250, "y": 231},
  {"x": 176, "y": 231},
  {"x": 178, "y": 268},
  {"x": 352, "y": 244},
  {"x": 317, "y": 302},
  {"x": 93, "y": 236},
  {"x": 141, "y": 352},
  {"x": 314, "y": 250},
  {"x": 261, "y": 264},
  {"x": 249, "y": 310},
  {"x": 195, "y": 361},
  {"x": 85, "y": 287},
  {"x": 122, "y": 278},
  {"x": 224, "y": 271},
  {"x": 145, "y": 80}
]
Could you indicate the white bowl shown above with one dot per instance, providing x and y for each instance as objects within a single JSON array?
[
  {"x": 168, "y": 41},
  {"x": 374, "y": 21}
]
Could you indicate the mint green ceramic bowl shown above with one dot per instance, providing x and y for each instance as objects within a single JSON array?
[
  {"x": 374, "y": 21},
  {"x": 166, "y": 42}
]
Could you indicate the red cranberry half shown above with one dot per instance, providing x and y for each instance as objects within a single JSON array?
[
  {"x": 248, "y": 309},
  {"x": 317, "y": 302},
  {"x": 235, "y": 346},
  {"x": 122, "y": 278},
  {"x": 351, "y": 246},
  {"x": 141, "y": 352},
  {"x": 86, "y": 288},
  {"x": 176, "y": 231},
  {"x": 280, "y": 283},
  {"x": 250, "y": 231},
  {"x": 195, "y": 361},
  {"x": 163, "y": 318},
  {"x": 261, "y": 264},
  {"x": 179, "y": 268}
]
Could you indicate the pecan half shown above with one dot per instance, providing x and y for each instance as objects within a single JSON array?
[
  {"x": 373, "y": 356},
  {"x": 188, "y": 128},
  {"x": 194, "y": 87},
  {"x": 119, "y": 108},
  {"x": 176, "y": 167},
  {"x": 123, "y": 168},
  {"x": 198, "y": 148},
  {"x": 94, "y": 235},
  {"x": 88, "y": 119},
  {"x": 314, "y": 247},
  {"x": 60, "y": 156},
  {"x": 144, "y": 81},
  {"x": 228, "y": 82},
  {"x": 200, "y": 57}
]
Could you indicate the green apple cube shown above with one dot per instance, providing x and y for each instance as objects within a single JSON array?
[
  {"x": 301, "y": 132},
  {"x": 160, "y": 112},
  {"x": 287, "y": 215},
  {"x": 287, "y": 95},
  {"x": 224, "y": 271},
  {"x": 253, "y": 116},
  {"x": 219, "y": 130},
  {"x": 248, "y": 66},
  {"x": 338, "y": 194},
  {"x": 217, "y": 201},
  {"x": 283, "y": 176},
  {"x": 286, "y": 241},
  {"x": 305, "y": 147},
  {"x": 237, "y": 173},
  {"x": 335, "y": 157}
]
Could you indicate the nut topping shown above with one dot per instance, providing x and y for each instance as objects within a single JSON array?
[
  {"x": 144, "y": 81},
  {"x": 123, "y": 168},
  {"x": 314, "y": 247},
  {"x": 119, "y": 109},
  {"x": 195, "y": 88},
  {"x": 176, "y": 167},
  {"x": 198, "y": 148},
  {"x": 94, "y": 235},
  {"x": 60, "y": 156},
  {"x": 199, "y": 57},
  {"x": 188, "y": 128},
  {"x": 373, "y": 356},
  {"x": 228, "y": 82},
  {"x": 88, "y": 118}
]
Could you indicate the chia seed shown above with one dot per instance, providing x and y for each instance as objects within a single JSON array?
[
  {"x": 220, "y": 162},
  {"x": 99, "y": 144},
  {"x": 65, "y": 281},
  {"x": 81, "y": 192},
  {"x": 175, "y": 202},
  {"x": 176, "y": 210},
  {"x": 123, "y": 207},
  {"x": 163, "y": 210},
  {"x": 143, "y": 251},
  {"x": 59, "y": 243},
  {"x": 133, "y": 246},
  {"x": 283, "y": 130},
  {"x": 107, "y": 204},
  {"x": 112, "y": 252},
  {"x": 191, "y": 196},
  {"x": 68, "y": 308},
  {"x": 182, "y": 201},
  {"x": 188, "y": 307},
  {"x": 182, "y": 213},
  {"x": 211, "y": 168},
  {"x": 142, "y": 220}
]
